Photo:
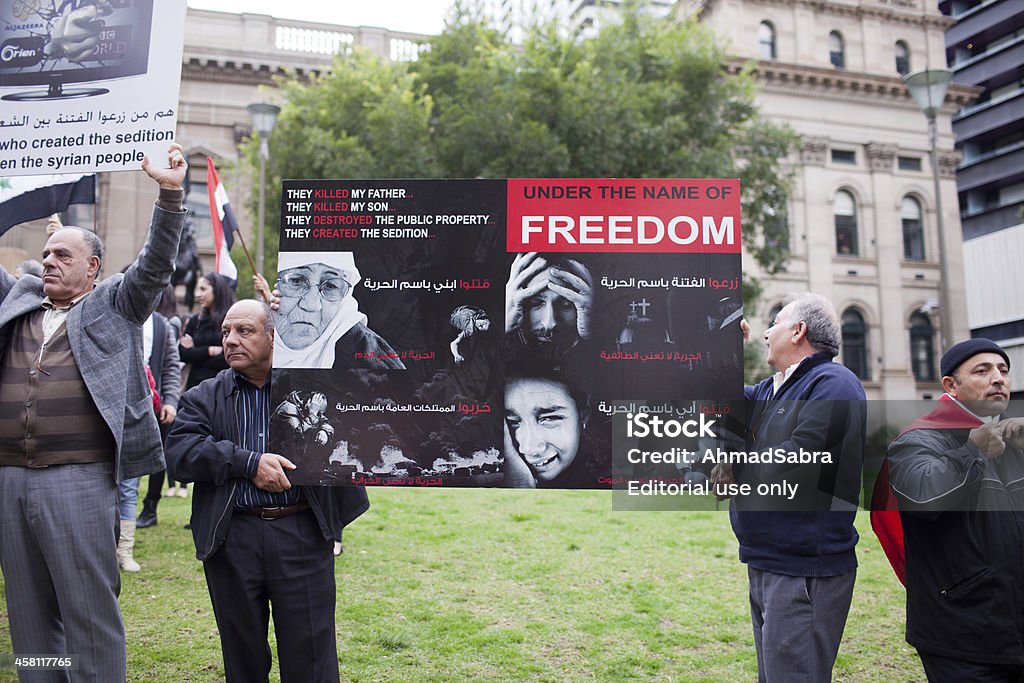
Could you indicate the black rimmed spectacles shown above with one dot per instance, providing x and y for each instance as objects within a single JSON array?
[{"x": 295, "y": 285}]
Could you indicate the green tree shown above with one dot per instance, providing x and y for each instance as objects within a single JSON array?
[
  {"x": 365, "y": 119},
  {"x": 645, "y": 98}
]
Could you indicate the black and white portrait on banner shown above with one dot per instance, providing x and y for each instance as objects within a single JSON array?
[{"x": 422, "y": 342}]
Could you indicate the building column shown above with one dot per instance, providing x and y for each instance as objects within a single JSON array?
[
  {"x": 821, "y": 241},
  {"x": 895, "y": 373},
  {"x": 957, "y": 307}
]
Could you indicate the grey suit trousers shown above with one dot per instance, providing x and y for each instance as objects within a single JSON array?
[
  {"x": 58, "y": 543},
  {"x": 798, "y": 624}
]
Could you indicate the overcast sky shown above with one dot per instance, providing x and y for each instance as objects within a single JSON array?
[{"x": 414, "y": 16}]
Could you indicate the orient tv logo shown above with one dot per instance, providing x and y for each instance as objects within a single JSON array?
[{"x": 21, "y": 52}]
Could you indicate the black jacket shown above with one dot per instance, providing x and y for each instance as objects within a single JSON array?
[
  {"x": 201, "y": 448},
  {"x": 963, "y": 529}
]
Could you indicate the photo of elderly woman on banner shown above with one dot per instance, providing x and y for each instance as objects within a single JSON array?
[{"x": 319, "y": 324}]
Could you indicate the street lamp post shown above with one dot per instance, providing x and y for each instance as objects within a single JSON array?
[
  {"x": 263, "y": 116},
  {"x": 928, "y": 89}
]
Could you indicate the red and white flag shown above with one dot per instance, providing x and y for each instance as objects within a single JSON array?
[{"x": 224, "y": 223}]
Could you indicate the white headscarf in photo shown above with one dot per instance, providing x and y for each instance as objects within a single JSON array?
[{"x": 320, "y": 354}]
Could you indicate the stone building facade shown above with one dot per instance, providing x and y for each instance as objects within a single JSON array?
[{"x": 862, "y": 214}]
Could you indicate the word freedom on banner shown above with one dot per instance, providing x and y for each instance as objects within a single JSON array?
[{"x": 477, "y": 331}]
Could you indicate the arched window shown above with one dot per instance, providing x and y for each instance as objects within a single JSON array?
[
  {"x": 845, "y": 211},
  {"x": 922, "y": 348},
  {"x": 902, "y": 58},
  {"x": 855, "y": 343},
  {"x": 835, "y": 50},
  {"x": 913, "y": 232},
  {"x": 766, "y": 40}
]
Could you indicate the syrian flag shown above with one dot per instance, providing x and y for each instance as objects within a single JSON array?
[
  {"x": 26, "y": 198},
  {"x": 224, "y": 223}
]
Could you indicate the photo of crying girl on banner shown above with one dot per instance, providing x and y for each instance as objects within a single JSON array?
[{"x": 481, "y": 332}]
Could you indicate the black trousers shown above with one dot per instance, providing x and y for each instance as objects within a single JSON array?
[
  {"x": 284, "y": 567},
  {"x": 940, "y": 669}
]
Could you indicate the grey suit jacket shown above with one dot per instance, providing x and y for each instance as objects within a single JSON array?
[{"x": 105, "y": 331}]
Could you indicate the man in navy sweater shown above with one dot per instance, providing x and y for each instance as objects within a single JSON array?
[{"x": 799, "y": 552}]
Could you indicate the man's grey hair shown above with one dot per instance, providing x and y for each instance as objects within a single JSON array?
[
  {"x": 93, "y": 241},
  {"x": 823, "y": 330},
  {"x": 268, "y": 316}
]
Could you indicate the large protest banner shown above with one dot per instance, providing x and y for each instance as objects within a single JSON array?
[
  {"x": 87, "y": 85},
  {"x": 484, "y": 332}
]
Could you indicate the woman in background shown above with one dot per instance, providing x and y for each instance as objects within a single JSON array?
[{"x": 200, "y": 345}]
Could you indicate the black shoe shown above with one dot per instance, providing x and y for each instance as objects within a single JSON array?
[{"x": 148, "y": 516}]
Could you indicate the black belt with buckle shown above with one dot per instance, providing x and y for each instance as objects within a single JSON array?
[{"x": 277, "y": 512}]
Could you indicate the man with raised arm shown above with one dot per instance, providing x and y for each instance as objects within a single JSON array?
[{"x": 76, "y": 418}]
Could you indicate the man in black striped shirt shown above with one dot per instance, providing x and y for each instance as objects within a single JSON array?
[{"x": 265, "y": 545}]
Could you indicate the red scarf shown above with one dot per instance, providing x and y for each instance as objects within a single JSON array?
[{"x": 885, "y": 514}]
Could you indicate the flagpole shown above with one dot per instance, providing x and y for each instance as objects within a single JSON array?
[{"x": 246, "y": 250}]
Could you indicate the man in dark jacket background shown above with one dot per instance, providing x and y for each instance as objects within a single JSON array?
[
  {"x": 799, "y": 553},
  {"x": 261, "y": 540},
  {"x": 958, "y": 474}
]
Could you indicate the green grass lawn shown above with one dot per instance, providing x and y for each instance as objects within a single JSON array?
[{"x": 500, "y": 585}]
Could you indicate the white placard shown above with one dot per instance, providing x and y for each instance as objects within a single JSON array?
[{"x": 88, "y": 85}]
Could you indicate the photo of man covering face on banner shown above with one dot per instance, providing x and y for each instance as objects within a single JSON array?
[
  {"x": 548, "y": 302},
  {"x": 319, "y": 324}
]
